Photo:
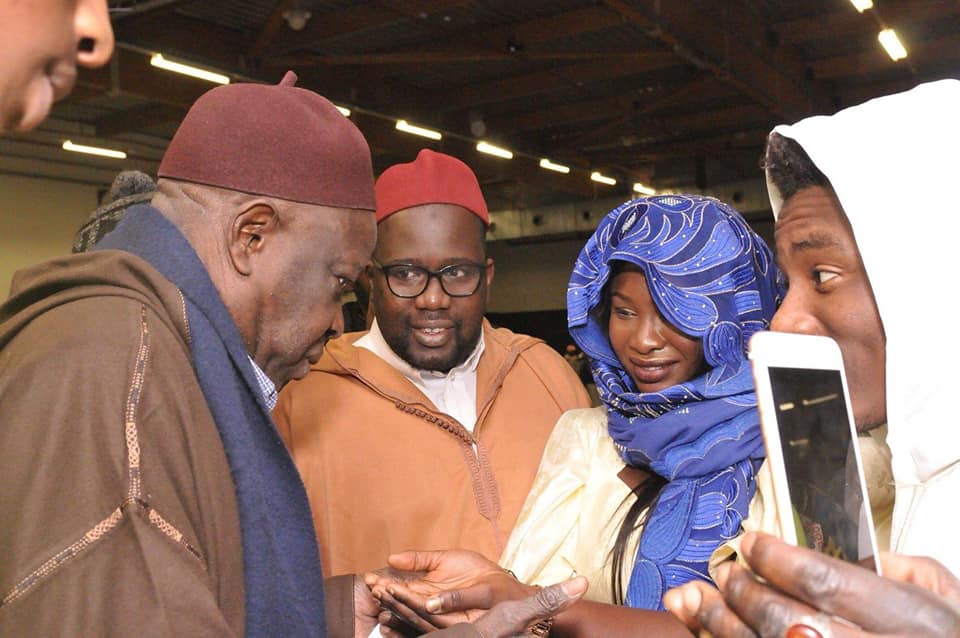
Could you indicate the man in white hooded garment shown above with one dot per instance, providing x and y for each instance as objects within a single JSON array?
[
  {"x": 869, "y": 251},
  {"x": 887, "y": 213}
]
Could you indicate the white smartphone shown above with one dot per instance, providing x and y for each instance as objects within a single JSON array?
[{"x": 811, "y": 441}]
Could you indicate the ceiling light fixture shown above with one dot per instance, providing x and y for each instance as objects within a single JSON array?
[
  {"x": 490, "y": 149},
  {"x": 343, "y": 110},
  {"x": 644, "y": 190},
  {"x": 550, "y": 166},
  {"x": 93, "y": 150},
  {"x": 297, "y": 18},
  {"x": 603, "y": 179},
  {"x": 888, "y": 38},
  {"x": 160, "y": 62},
  {"x": 862, "y": 5},
  {"x": 478, "y": 128},
  {"x": 402, "y": 125}
]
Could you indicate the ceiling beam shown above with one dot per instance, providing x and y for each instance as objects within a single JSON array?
[
  {"x": 526, "y": 34},
  {"x": 449, "y": 57},
  {"x": 705, "y": 120},
  {"x": 565, "y": 114},
  {"x": 359, "y": 17},
  {"x": 530, "y": 33},
  {"x": 549, "y": 28},
  {"x": 754, "y": 138},
  {"x": 851, "y": 95},
  {"x": 142, "y": 8},
  {"x": 702, "y": 85},
  {"x": 633, "y": 132},
  {"x": 208, "y": 43},
  {"x": 623, "y": 106},
  {"x": 926, "y": 52},
  {"x": 139, "y": 117},
  {"x": 731, "y": 45},
  {"x": 271, "y": 27},
  {"x": 845, "y": 22},
  {"x": 559, "y": 79}
]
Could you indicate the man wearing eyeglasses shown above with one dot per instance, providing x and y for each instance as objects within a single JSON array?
[{"x": 427, "y": 430}]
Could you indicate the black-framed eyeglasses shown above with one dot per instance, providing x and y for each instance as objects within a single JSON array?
[{"x": 408, "y": 281}]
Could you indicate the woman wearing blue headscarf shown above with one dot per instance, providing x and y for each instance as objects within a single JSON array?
[{"x": 653, "y": 487}]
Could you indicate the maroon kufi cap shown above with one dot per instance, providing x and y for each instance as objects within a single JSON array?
[
  {"x": 432, "y": 178},
  {"x": 275, "y": 140}
]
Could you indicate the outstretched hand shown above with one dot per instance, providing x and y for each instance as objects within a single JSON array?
[
  {"x": 366, "y": 607},
  {"x": 511, "y": 618},
  {"x": 455, "y": 586},
  {"x": 805, "y": 589}
]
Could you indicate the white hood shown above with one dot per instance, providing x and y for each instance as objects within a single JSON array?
[{"x": 894, "y": 165}]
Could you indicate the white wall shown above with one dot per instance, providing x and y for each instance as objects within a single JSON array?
[{"x": 39, "y": 218}]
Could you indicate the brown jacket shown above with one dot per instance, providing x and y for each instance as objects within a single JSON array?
[
  {"x": 117, "y": 513},
  {"x": 386, "y": 471}
]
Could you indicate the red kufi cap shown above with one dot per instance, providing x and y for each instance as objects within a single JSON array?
[
  {"x": 274, "y": 140},
  {"x": 432, "y": 178}
]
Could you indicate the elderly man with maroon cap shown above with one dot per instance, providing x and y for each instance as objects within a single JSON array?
[
  {"x": 426, "y": 431},
  {"x": 145, "y": 488}
]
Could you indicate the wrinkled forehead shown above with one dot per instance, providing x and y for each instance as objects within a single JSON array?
[
  {"x": 341, "y": 237},
  {"x": 813, "y": 208}
]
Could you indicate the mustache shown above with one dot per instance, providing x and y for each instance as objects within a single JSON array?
[{"x": 433, "y": 315}]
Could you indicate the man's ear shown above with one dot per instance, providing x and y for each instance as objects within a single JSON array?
[{"x": 251, "y": 230}]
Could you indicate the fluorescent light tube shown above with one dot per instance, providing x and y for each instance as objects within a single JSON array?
[
  {"x": 862, "y": 5},
  {"x": 344, "y": 110},
  {"x": 93, "y": 150},
  {"x": 888, "y": 38},
  {"x": 603, "y": 179},
  {"x": 402, "y": 125},
  {"x": 490, "y": 149},
  {"x": 550, "y": 166},
  {"x": 644, "y": 190},
  {"x": 160, "y": 62}
]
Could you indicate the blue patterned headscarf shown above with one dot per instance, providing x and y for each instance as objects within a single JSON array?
[{"x": 714, "y": 279}]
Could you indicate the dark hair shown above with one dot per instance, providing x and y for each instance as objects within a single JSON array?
[
  {"x": 789, "y": 166},
  {"x": 647, "y": 494},
  {"x": 648, "y": 490}
]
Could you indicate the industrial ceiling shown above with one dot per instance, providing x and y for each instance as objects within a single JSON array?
[{"x": 666, "y": 93}]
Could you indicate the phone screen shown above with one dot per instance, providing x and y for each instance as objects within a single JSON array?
[{"x": 829, "y": 511}]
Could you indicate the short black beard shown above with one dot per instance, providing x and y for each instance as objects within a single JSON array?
[{"x": 400, "y": 344}]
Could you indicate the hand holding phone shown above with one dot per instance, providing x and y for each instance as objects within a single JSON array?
[{"x": 811, "y": 442}]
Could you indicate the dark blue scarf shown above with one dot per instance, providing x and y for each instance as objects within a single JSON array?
[
  {"x": 714, "y": 279},
  {"x": 282, "y": 576}
]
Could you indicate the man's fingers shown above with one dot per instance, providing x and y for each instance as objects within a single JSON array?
[
  {"x": 513, "y": 617},
  {"x": 392, "y": 626},
  {"x": 413, "y": 561},
  {"x": 770, "y": 613},
  {"x": 402, "y": 612},
  {"x": 823, "y": 582},
  {"x": 700, "y": 606},
  {"x": 846, "y": 590},
  {"x": 473, "y": 597},
  {"x": 418, "y": 605},
  {"x": 923, "y": 572},
  {"x": 373, "y": 579}
]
